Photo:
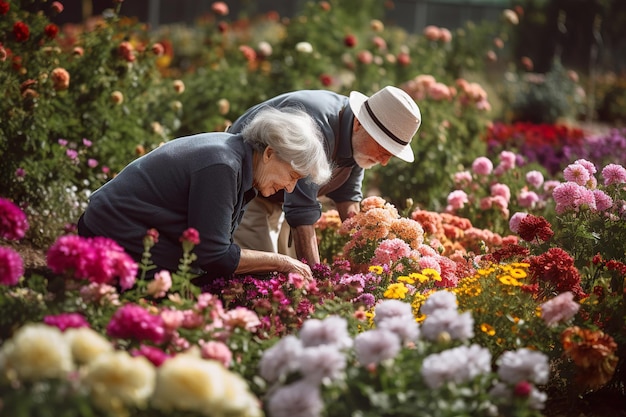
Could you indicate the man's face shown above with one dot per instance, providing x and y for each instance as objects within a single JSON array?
[{"x": 365, "y": 150}]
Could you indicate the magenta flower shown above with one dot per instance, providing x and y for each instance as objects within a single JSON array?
[
  {"x": 11, "y": 266},
  {"x": 66, "y": 321},
  {"x": 13, "y": 221},
  {"x": 190, "y": 235},
  {"x": 153, "y": 354},
  {"x": 134, "y": 322}
]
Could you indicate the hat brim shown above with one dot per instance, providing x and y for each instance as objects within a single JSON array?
[{"x": 356, "y": 104}]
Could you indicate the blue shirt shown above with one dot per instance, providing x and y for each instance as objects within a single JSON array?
[
  {"x": 202, "y": 181},
  {"x": 334, "y": 117}
]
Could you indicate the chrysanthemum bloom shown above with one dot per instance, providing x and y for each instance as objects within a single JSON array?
[
  {"x": 13, "y": 221},
  {"x": 304, "y": 47},
  {"x": 117, "y": 97},
  {"x": 603, "y": 201},
  {"x": 248, "y": 52},
  {"x": 11, "y": 266},
  {"x": 241, "y": 317},
  {"x": 439, "y": 300},
  {"x": 555, "y": 268},
  {"x": 56, "y": 7},
  {"x": 51, "y": 30},
  {"x": 298, "y": 399},
  {"x": 36, "y": 351},
  {"x": 4, "y": 7},
  {"x": 21, "y": 31},
  {"x": 523, "y": 365},
  {"x": 527, "y": 199},
  {"x": 535, "y": 228},
  {"x": 614, "y": 174},
  {"x": 559, "y": 309},
  {"x": 457, "y": 199},
  {"x": 515, "y": 221},
  {"x": 86, "y": 344},
  {"x": 406, "y": 328},
  {"x": 534, "y": 178},
  {"x": 281, "y": 359},
  {"x": 593, "y": 352},
  {"x": 118, "y": 379},
  {"x": 502, "y": 190},
  {"x": 350, "y": 41},
  {"x": 333, "y": 330},
  {"x": 216, "y": 351},
  {"x": 576, "y": 173},
  {"x": 66, "y": 321},
  {"x": 458, "y": 365},
  {"x": 507, "y": 161},
  {"x": 432, "y": 33},
  {"x": 450, "y": 322},
  {"x": 375, "y": 346},
  {"x": 60, "y": 79},
  {"x": 322, "y": 363},
  {"x": 134, "y": 322}
]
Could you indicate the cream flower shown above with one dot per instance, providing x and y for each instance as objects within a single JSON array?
[
  {"x": 187, "y": 382},
  {"x": 36, "y": 351},
  {"x": 86, "y": 344},
  {"x": 238, "y": 400},
  {"x": 117, "y": 378},
  {"x": 304, "y": 47}
]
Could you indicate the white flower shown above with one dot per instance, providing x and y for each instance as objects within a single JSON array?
[
  {"x": 304, "y": 47},
  {"x": 117, "y": 377},
  {"x": 238, "y": 400},
  {"x": 457, "y": 326},
  {"x": 392, "y": 308},
  {"x": 333, "y": 330},
  {"x": 461, "y": 364},
  {"x": 375, "y": 346},
  {"x": 300, "y": 399},
  {"x": 320, "y": 363},
  {"x": 189, "y": 383},
  {"x": 439, "y": 300},
  {"x": 86, "y": 344},
  {"x": 36, "y": 351},
  {"x": 523, "y": 365}
]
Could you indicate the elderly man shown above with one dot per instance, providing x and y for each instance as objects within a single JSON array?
[{"x": 359, "y": 132}]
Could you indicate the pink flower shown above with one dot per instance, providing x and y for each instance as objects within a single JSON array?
[
  {"x": 576, "y": 173},
  {"x": 559, "y": 309},
  {"x": 11, "y": 266},
  {"x": 134, "y": 322},
  {"x": 220, "y": 8},
  {"x": 217, "y": 351},
  {"x": 65, "y": 321},
  {"x": 482, "y": 166},
  {"x": 565, "y": 195},
  {"x": 534, "y": 178},
  {"x": 296, "y": 280},
  {"x": 515, "y": 220},
  {"x": 614, "y": 174},
  {"x": 507, "y": 161},
  {"x": 390, "y": 251},
  {"x": 13, "y": 221},
  {"x": 191, "y": 235},
  {"x": 241, "y": 317},
  {"x": 603, "y": 201},
  {"x": 502, "y": 190},
  {"x": 589, "y": 166},
  {"x": 527, "y": 198},
  {"x": 160, "y": 285},
  {"x": 92, "y": 163},
  {"x": 463, "y": 178},
  {"x": 60, "y": 79},
  {"x": 457, "y": 199}
]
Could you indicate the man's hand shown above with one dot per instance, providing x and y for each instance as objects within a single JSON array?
[{"x": 254, "y": 261}]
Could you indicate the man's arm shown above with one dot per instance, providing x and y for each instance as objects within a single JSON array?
[
  {"x": 305, "y": 243},
  {"x": 348, "y": 209}
]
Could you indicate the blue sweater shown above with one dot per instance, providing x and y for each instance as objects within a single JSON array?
[
  {"x": 334, "y": 117},
  {"x": 202, "y": 181}
]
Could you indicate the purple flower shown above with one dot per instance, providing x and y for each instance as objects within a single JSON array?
[
  {"x": 11, "y": 266},
  {"x": 13, "y": 221},
  {"x": 134, "y": 322},
  {"x": 65, "y": 321},
  {"x": 20, "y": 173}
]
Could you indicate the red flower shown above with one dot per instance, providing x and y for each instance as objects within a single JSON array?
[
  {"x": 191, "y": 235},
  {"x": 350, "y": 41},
  {"x": 21, "y": 31},
  {"x": 404, "y": 59},
  {"x": 556, "y": 269},
  {"x": 533, "y": 228},
  {"x": 51, "y": 30},
  {"x": 4, "y": 7},
  {"x": 326, "y": 80}
]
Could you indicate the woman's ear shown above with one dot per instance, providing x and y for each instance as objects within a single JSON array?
[{"x": 267, "y": 153}]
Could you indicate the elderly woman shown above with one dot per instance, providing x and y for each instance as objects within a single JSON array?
[{"x": 204, "y": 182}]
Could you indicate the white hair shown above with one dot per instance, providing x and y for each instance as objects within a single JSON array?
[{"x": 294, "y": 136}]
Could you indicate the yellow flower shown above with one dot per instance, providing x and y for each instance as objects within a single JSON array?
[
  {"x": 518, "y": 273},
  {"x": 486, "y": 328},
  {"x": 396, "y": 291},
  {"x": 406, "y": 279},
  {"x": 431, "y": 274},
  {"x": 377, "y": 269},
  {"x": 509, "y": 280}
]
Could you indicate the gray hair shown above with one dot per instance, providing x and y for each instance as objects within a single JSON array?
[{"x": 294, "y": 136}]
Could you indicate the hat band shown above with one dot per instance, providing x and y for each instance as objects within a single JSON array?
[{"x": 382, "y": 127}]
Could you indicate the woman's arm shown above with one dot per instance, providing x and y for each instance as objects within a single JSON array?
[{"x": 254, "y": 261}]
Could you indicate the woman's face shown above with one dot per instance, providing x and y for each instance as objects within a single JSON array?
[{"x": 271, "y": 174}]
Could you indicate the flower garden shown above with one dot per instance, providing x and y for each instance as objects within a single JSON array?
[{"x": 485, "y": 279}]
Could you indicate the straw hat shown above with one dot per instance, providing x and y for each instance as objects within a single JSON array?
[{"x": 391, "y": 117}]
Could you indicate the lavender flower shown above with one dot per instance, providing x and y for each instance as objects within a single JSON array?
[
  {"x": 440, "y": 300},
  {"x": 281, "y": 359},
  {"x": 321, "y": 363},
  {"x": 456, "y": 326},
  {"x": 405, "y": 327},
  {"x": 459, "y": 365},
  {"x": 523, "y": 365},
  {"x": 333, "y": 330},
  {"x": 390, "y": 308},
  {"x": 375, "y": 346},
  {"x": 300, "y": 399}
]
